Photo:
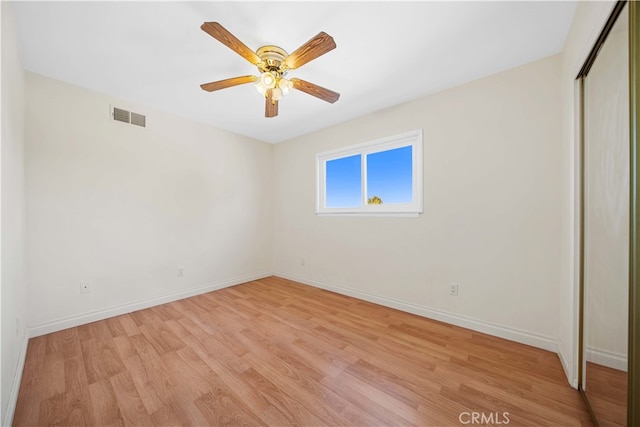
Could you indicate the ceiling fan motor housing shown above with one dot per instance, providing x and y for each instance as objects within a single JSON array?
[{"x": 272, "y": 59}]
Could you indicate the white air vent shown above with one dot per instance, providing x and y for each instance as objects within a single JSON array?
[
  {"x": 120, "y": 115},
  {"x": 138, "y": 119}
]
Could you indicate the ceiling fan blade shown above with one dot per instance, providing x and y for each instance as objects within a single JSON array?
[
  {"x": 222, "y": 84},
  {"x": 317, "y": 46},
  {"x": 221, "y": 34},
  {"x": 271, "y": 106},
  {"x": 315, "y": 90}
]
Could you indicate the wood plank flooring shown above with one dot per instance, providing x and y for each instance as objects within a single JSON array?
[
  {"x": 607, "y": 394},
  {"x": 275, "y": 352}
]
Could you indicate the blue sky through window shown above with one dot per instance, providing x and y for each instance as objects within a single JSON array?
[
  {"x": 389, "y": 175},
  {"x": 344, "y": 182}
]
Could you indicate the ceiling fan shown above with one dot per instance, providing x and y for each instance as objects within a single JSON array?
[{"x": 273, "y": 64}]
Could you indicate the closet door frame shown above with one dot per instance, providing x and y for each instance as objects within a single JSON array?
[
  {"x": 633, "y": 370},
  {"x": 633, "y": 408}
]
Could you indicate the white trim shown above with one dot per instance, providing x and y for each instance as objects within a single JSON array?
[
  {"x": 373, "y": 214},
  {"x": 15, "y": 384},
  {"x": 411, "y": 139},
  {"x": 573, "y": 379},
  {"x": 607, "y": 358},
  {"x": 93, "y": 316},
  {"x": 512, "y": 334},
  {"x": 575, "y": 229}
]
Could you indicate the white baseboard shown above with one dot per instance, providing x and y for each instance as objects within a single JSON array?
[
  {"x": 15, "y": 384},
  {"x": 569, "y": 373},
  {"x": 607, "y": 358},
  {"x": 93, "y": 316},
  {"x": 512, "y": 334}
]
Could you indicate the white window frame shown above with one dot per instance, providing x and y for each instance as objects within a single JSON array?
[{"x": 413, "y": 209}]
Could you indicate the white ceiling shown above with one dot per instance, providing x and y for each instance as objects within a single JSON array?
[{"x": 155, "y": 54}]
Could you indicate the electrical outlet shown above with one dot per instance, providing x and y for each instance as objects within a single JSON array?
[
  {"x": 453, "y": 289},
  {"x": 180, "y": 271},
  {"x": 85, "y": 287}
]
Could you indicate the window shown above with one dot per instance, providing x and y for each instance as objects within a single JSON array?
[{"x": 382, "y": 177}]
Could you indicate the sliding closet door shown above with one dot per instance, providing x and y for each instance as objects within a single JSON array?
[{"x": 606, "y": 227}]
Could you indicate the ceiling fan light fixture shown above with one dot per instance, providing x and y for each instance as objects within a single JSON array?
[
  {"x": 279, "y": 85},
  {"x": 260, "y": 87},
  {"x": 268, "y": 80},
  {"x": 285, "y": 85},
  {"x": 276, "y": 94}
]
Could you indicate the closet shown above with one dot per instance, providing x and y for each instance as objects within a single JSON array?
[{"x": 609, "y": 303}]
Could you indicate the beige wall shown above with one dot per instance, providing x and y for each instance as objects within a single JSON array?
[
  {"x": 122, "y": 207},
  {"x": 13, "y": 292},
  {"x": 492, "y": 209}
]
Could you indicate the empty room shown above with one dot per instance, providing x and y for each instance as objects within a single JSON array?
[{"x": 319, "y": 213}]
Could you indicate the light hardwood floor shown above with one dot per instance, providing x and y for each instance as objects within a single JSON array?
[
  {"x": 275, "y": 352},
  {"x": 607, "y": 393}
]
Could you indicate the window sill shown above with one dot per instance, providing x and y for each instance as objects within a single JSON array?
[{"x": 371, "y": 214}]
